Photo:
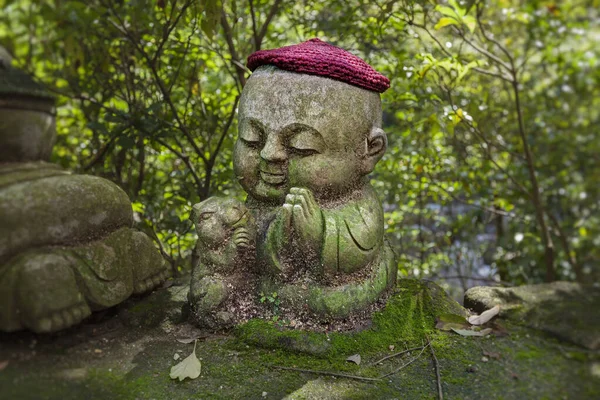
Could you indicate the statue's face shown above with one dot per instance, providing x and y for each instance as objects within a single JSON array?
[
  {"x": 216, "y": 218},
  {"x": 299, "y": 130}
]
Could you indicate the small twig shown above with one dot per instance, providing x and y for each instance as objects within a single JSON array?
[
  {"x": 437, "y": 370},
  {"x": 263, "y": 30},
  {"x": 396, "y": 355},
  {"x": 311, "y": 371},
  {"x": 407, "y": 364}
]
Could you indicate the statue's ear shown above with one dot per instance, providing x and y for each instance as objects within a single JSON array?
[{"x": 376, "y": 146}]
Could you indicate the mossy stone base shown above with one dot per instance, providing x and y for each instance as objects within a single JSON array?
[
  {"x": 565, "y": 309},
  {"x": 410, "y": 312}
]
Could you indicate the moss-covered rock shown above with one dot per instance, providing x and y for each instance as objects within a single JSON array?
[
  {"x": 410, "y": 313},
  {"x": 59, "y": 210},
  {"x": 50, "y": 288},
  {"x": 565, "y": 309}
]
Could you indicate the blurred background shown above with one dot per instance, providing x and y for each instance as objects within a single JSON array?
[{"x": 493, "y": 168}]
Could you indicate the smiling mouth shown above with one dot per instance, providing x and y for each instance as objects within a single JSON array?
[{"x": 272, "y": 179}]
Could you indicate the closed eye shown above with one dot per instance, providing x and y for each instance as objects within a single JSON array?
[
  {"x": 304, "y": 140},
  {"x": 206, "y": 215},
  {"x": 303, "y": 152},
  {"x": 254, "y": 144},
  {"x": 252, "y": 133}
]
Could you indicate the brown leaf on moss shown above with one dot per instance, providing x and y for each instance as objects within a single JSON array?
[{"x": 447, "y": 322}]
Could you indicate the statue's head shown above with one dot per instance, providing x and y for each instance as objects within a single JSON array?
[
  {"x": 216, "y": 218},
  {"x": 305, "y": 130}
]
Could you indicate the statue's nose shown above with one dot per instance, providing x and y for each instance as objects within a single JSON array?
[{"x": 273, "y": 150}]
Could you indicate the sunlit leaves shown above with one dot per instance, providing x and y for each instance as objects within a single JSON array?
[
  {"x": 450, "y": 174},
  {"x": 455, "y": 15}
]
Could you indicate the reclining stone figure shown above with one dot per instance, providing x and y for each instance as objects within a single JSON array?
[{"x": 67, "y": 246}]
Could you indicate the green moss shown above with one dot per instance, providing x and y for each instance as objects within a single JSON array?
[
  {"x": 410, "y": 313},
  {"x": 136, "y": 363},
  {"x": 529, "y": 354}
]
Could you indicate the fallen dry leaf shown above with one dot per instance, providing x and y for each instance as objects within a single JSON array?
[
  {"x": 187, "y": 340},
  {"x": 3, "y": 364},
  {"x": 468, "y": 332},
  {"x": 446, "y": 322},
  {"x": 491, "y": 354},
  {"x": 190, "y": 367},
  {"x": 448, "y": 326},
  {"x": 354, "y": 358},
  {"x": 485, "y": 316}
]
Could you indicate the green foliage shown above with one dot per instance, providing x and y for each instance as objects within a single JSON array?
[
  {"x": 273, "y": 302},
  {"x": 491, "y": 118}
]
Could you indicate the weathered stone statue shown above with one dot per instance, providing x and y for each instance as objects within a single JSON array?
[
  {"x": 226, "y": 240},
  {"x": 309, "y": 135},
  {"x": 66, "y": 243}
]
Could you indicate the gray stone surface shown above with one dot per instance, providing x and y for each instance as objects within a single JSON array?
[
  {"x": 26, "y": 135},
  {"x": 565, "y": 309},
  {"x": 27, "y": 130},
  {"x": 57, "y": 210}
]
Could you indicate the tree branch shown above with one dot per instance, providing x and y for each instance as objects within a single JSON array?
[
  {"x": 186, "y": 159},
  {"x": 265, "y": 26},
  {"x": 483, "y": 51},
  {"x": 436, "y": 365},
  {"x": 397, "y": 354},
  {"x": 572, "y": 259},
  {"x": 448, "y": 54},
  {"x": 312, "y": 371},
  {"x": 226, "y": 127},
  {"x": 491, "y": 40},
  {"x": 407, "y": 364},
  {"x": 254, "y": 31},
  {"x": 535, "y": 190},
  {"x": 232, "y": 51},
  {"x": 165, "y": 93}
]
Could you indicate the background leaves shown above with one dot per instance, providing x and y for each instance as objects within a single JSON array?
[{"x": 148, "y": 93}]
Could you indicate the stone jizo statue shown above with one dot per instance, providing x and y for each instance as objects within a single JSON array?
[
  {"x": 309, "y": 135},
  {"x": 226, "y": 240}
]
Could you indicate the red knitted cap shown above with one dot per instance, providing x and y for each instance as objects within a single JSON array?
[{"x": 315, "y": 57}]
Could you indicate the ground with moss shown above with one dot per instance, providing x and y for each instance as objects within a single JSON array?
[{"x": 127, "y": 353}]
